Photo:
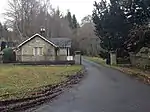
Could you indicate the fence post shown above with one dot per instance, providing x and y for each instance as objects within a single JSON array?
[
  {"x": 113, "y": 58},
  {"x": 132, "y": 58},
  {"x": 78, "y": 58}
]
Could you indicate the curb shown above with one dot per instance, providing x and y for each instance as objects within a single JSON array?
[{"x": 139, "y": 76}]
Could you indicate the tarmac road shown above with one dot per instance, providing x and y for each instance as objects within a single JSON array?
[{"x": 102, "y": 90}]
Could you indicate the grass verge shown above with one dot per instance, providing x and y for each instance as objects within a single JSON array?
[
  {"x": 96, "y": 59},
  {"x": 17, "y": 81},
  {"x": 132, "y": 71}
]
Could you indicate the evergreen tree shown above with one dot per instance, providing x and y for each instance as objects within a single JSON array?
[
  {"x": 3, "y": 45},
  {"x": 114, "y": 22},
  {"x": 69, "y": 18},
  {"x": 137, "y": 11},
  {"x": 58, "y": 11},
  {"x": 74, "y": 22},
  {"x": 138, "y": 14},
  {"x": 1, "y": 30},
  {"x": 139, "y": 37},
  {"x": 110, "y": 24}
]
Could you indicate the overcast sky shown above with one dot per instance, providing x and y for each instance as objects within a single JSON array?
[{"x": 80, "y": 8}]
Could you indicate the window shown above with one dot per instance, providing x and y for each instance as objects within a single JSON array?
[
  {"x": 40, "y": 51},
  {"x": 37, "y": 51},
  {"x": 50, "y": 52}
]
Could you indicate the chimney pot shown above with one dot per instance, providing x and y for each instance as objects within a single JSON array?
[{"x": 43, "y": 32}]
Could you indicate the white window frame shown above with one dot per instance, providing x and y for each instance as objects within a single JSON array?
[{"x": 38, "y": 53}]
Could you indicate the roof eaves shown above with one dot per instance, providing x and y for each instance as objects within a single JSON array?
[
  {"x": 34, "y": 37},
  {"x": 47, "y": 40}
]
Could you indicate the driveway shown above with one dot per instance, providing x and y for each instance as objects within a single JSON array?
[{"x": 102, "y": 90}]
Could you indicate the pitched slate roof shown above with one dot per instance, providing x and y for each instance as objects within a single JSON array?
[
  {"x": 34, "y": 37},
  {"x": 62, "y": 42}
]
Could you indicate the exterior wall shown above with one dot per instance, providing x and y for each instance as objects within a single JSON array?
[
  {"x": 139, "y": 61},
  {"x": 144, "y": 52},
  {"x": 63, "y": 53},
  {"x": 18, "y": 55},
  {"x": 26, "y": 51}
]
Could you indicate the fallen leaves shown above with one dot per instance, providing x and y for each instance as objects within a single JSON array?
[{"x": 137, "y": 73}]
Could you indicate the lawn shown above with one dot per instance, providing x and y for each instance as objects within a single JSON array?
[{"x": 17, "y": 80}]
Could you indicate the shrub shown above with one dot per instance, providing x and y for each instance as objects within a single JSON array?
[
  {"x": 103, "y": 54},
  {"x": 9, "y": 55}
]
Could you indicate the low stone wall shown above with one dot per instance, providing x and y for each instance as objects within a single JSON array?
[
  {"x": 140, "y": 62},
  {"x": 40, "y": 58},
  {"x": 63, "y": 58},
  {"x": 46, "y": 63}
]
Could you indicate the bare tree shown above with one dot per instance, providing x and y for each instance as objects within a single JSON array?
[
  {"x": 88, "y": 42},
  {"x": 20, "y": 15},
  {"x": 86, "y": 19},
  {"x": 26, "y": 17}
]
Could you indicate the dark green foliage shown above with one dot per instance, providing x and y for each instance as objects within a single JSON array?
[
  {"x": 69, "y": 18},
  {"x": 114, "y": 22},
  {"x": 74, "y": 22},
  {"x": 139, "y": 37},
  {"x": 73, "y": 25},
  {"x": 3, "y": 45},
  {"x": 103, "y": 54},
  {"x": 9, "y": 55},
  {"x": 110, "y": 24},
  {"x": 137, "y": 11},
  {"x": 108, "y": 61},
  {"x": 1, "y": 30}
]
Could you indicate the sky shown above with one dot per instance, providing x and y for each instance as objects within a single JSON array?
[
  {"x": 3, "y": 6},
  {"x": 80, "y": 8}
]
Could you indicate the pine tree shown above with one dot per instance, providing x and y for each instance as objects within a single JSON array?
[
  {"x": 114, "y": 22},
  {"x": 1, "y": 30},
  {"x": 58, "y": 11},
  {"x": 74, "y": 22},
  {"x": 110, "y": 24},
  {"x": 69, "y": 18},
  {"x": 138, "y": 15},
  {"x": 137, "y": 11}
]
